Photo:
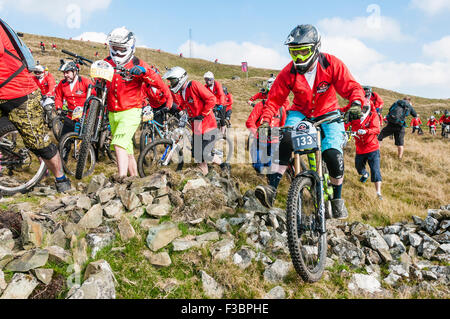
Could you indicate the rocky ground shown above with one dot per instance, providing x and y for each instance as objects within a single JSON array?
[{"x": 48, "y": 250}]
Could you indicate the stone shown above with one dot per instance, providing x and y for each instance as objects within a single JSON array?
[
  {"x": 79, "y": 251},
  {"x": 276, "y": 293},
  {"x": 3, "y": 283},
  {"x": 278, "y": 271},
  {"x": 93, "y": 218},
  {"x": 415, "y": 240},
  {"x": 107, "y": 194},
  {"x": 194, "y": 184},
  {"x": 359, "y": 230},
  {"x": 44, "y": 275},
  {"x": 52, "y": 206},
  {"x": 160, "y": 259},
  {"x": 443, "y": 238},
  {"x": 428, "y": 247},
  {"x": 30, "y": 260},
  {"x": 126, "y": 231},
  {"x": 264, "y": 237},
  {"x": 364, "y": 283},
  {"x": 222, "y": 249},
  {"x": 129, "y": 199},
  {"x": 32, "y": 233},
  {"x": 43, "y": 191},
  {"x": 21, "y": 287},
  {"x": 6, "y": 239},
  {"x": 430, "y": 225},
  {"x": 99, "y": 241},
  {"x": 59, "y": 255},
  {"x": 417, "y": 220},
  {"x": 148, "y": 223},
  {"x": 162, "y": 235},
  {"x": 137, "y": 213},
  {"x": 392, "y": 279},
  {"x": 243, "y": 258},
  {"x": 97, "y": 182},
  {"x": 210, "y": 287},
  {"x": 24, "y": 207},
  {"x": 69, "y": 200},
  {"x": 347, "y": 253},
  {"x": 444, "y": 248},
  {"x": 100, "y": 283},
  {"x": 372, "y": 257},
  {"x": 399, "y": 269},
  {"x": 58, "y": 238},
  {"x": 182, "y": 244},
  {"x": 429, "y": 275},
  {"x": 223, "y": 225},
  {"x": 162, "y": 200},
  {"x": 84, "y": 202},
  {"x": 149, "y": 183},
  {"x": 444, "y": 224},
  {"x": 263, "y": 258},
  {"x": 392, "y": 240},
  {"x": 236, "y": 221},
  {"x": 252, "y": 204},
  {"x": 208, "y": 237},
  {"x": 158, "y": 210},
  {"x": 376, "y": 242},
  {"x": 114, "y": 209},
  {"x": 392, "y": 230},
  {"x": 146, "y": 198}
]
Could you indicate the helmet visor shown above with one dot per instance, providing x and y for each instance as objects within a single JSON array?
[
  {"x": 173, "y": 82},
  {"x": 209, "y": 81},
  {"x": 303, "y": 52}
]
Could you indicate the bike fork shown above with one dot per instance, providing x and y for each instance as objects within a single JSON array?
[{"x": 169, "y": 156}]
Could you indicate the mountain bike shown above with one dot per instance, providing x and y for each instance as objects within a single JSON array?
[
  {"x": 58, "y": 123},
  {"x": 20, "y": 169},
  {"x": 95, "y": 113},
  {"x": 433, "y": 130},
  {"x": 445, "y": 130},
  {"x": 309, "y": 199}
]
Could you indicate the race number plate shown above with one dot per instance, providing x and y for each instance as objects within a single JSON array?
[
  {"x": 304, "y": 137},
  {"x": 102, "y": 70},
  {"x": 147, "y": 114},
  {"x": 77, "y": 113}
]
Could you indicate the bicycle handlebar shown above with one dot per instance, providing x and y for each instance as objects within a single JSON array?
[{"x": 76, "y": 56}]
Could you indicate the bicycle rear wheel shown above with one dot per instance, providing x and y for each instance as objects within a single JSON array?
[
  {"x": 147, "y": 137},
  {"x": 86, "y": 142},
  {"x": 307, "y": 245},
  {"x": 155, "y": 155},
  {"x": 20, "y": 169},
  {"x": 69, "y": 149}
]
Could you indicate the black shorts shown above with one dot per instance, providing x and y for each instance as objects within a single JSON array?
[
  {"x": 203, "y": 145},
  {"x": 373, "y": 159},
  {"x": 396, "y": 130}
]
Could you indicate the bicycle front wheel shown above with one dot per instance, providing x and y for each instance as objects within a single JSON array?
[
  {"x": 69, "y": 149},
  {"x": 20, "y": 169},
  {"x": 307, "y": 245},
  {"x": 160, "y": 153}
]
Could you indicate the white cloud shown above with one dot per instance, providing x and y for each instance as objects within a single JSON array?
[
  {"x": 62, "y": 11},
  {"x": 439, "y": 50},
  {"x": 431, "y": 7},
  {"x": 374, "y": 28},
  {"x": 230, "y": 52},
  {"x": 92, "y": 36}
]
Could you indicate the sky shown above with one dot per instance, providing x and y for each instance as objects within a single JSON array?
[{"x": 401, "y": 45}]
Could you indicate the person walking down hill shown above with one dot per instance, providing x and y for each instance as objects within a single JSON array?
[
  {"x": 314, "y": 78},
  {"x": 396, "y": 117},
  {"x": 124, "y": 98},
  {"x": 228, "y": 105},
  {"x": 432, "y": 124},
  {"x": 416, "y": 122},
  {"x": 444, "y": 121},
  {"x": 367, "y": 146},
  {"x": 375, "y": 99},
  {"x": 199, "y": 103}
]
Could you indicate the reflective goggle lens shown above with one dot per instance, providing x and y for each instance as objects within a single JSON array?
[{"x": 302, "y": 53}]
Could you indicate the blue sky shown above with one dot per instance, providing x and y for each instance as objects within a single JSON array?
[{"x": 402, "y": 45}]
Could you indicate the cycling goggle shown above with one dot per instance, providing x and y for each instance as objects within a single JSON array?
[
  {"x": 173, "y": 82},
  {"x": 301, "y": 52}
]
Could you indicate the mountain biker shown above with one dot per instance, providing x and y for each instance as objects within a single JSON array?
[
  {"x": 396, "y": 123},
  {"x": 158, "y": 101},
  {"x": 199, "y": 103},
  {"x": 367, "y": 146},
  {"x": 217, "y": 89},
  {"x": 432, "y": 123},
  {"x": 263, "y": 149},
  {"x": 444, "y": 121},
  {"x": 376, "y": 100},
  {"x": 42, "y": 46},
  {"x": 228, "y": 105},
  {"x": 314, "y": 78},
  {"x": 73, "y": 89},
  {"x": 20, "y": 102},
  {"x": 124, "y": 98},
  {"x": 45, "y": 81},
  {"x": 416, "y": 122},
  {"x": 263, "y": 93}
]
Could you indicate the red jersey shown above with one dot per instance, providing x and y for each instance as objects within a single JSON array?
[
  {"x": 20, "y": 85},
  {"x": 75, "y": 97},
  {"x": 125, "y": 95},
  {"x": 217, "y": 90},
  {"x": 254, "y": 119},
  {"x": 155, "y": 96},
  {"x": 198, "y": 100},
  {"x": 229, "y": 102},
  {"x": 377, "y": 101},
  {"x": 432, "y": 123},
  {"x": 47, "y": 85},
  {"x": 415, "y": 122},
  {"x": 332, "y": 76},
  {"x": 445, "y": 120},
  {"x": 258, "y": 96},
  {"x": 367, "y": 143}
]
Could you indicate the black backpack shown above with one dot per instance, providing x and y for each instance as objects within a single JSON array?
[{"x": 398, "y": 112}]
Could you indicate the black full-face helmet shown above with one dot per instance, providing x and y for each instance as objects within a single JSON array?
[{"x": 304, "y": 46}]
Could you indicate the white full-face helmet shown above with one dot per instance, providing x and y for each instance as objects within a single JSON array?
[
  {"x": 122, "y": 45},
  {"x": 177, "y": 77},
  {"x": 270, "y": 82},
  {"x": 209, "y": 78},
  {"x": 39, "y": 71}
]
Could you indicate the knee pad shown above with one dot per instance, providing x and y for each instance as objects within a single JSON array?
[
  {"x": 47, "y": 153},
  {"x": 335, "y": 162}
]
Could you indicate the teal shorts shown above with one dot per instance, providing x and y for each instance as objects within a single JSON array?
[{"x": 123, "y": 126}]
